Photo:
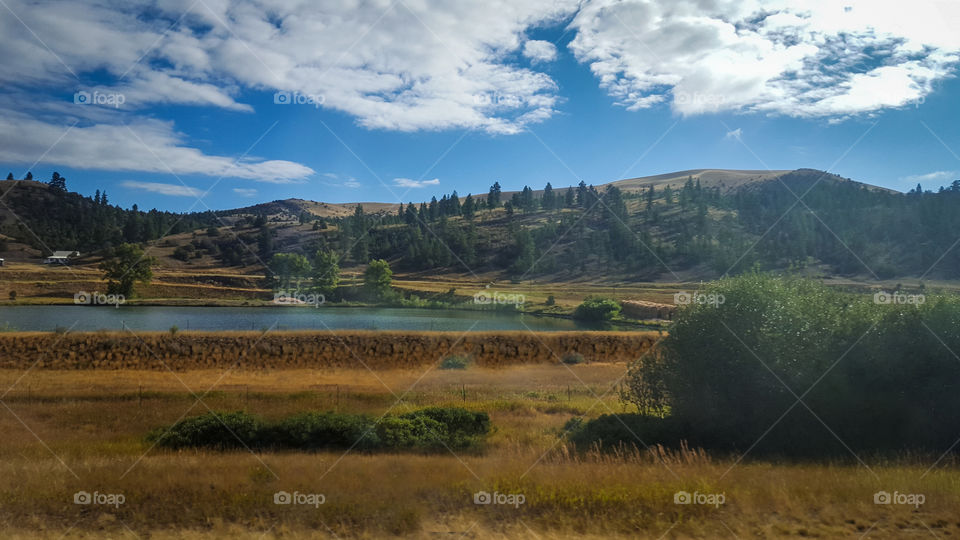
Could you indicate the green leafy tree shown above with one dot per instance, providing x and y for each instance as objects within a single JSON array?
[
  {"x": 127, "y": 266},
  {"x": 289, "y": 269},
  {"x": 326, "y": 272},
  {"x": 377, "y": 277}
]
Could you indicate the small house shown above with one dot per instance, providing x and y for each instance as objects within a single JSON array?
[{"x": 61, "y": 257}]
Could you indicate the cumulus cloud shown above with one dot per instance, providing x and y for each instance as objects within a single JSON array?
[
  {"x": 408, "y": 183},
  {"x": 540, "y": 51},
  {"x": 174, "y": 190},
  {"x": 393, "y": 65},
  {"x": 806, "y": 58}
]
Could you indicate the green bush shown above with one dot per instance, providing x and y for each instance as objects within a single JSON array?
[
  {"x": 218, "y": 431},
  {"x": 314, "y": 431},
  {"x": 463, "y": 427},
  {"x": 398, "y": 432},
  {"x": 597, "y": 309},
  {"x": 871, "y": 375},
  {"x": 455, "y": 362},
  {"x": 572, "y": 358},
  {"x": 431, "y": 428},
  {"x": 617, "y": 430}
]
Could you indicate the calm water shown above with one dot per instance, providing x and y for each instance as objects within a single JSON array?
[{"x": 80, "y": 318}]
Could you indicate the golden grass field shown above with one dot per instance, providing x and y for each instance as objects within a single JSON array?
[{"x": 66, "y": 431}]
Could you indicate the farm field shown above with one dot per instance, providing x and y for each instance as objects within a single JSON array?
[{"x": 78, "y": 430}]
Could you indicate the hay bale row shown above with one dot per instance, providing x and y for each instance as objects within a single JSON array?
[{"x": 285, "y": 350}]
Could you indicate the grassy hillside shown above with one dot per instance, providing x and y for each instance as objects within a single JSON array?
[{"x": 678, "y": 227}]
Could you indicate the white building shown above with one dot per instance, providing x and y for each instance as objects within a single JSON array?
[{"x": 61, "y": 257}]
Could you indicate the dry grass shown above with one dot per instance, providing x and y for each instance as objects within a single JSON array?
[
  {"x": 105, "y": 350},
  {"x": 95, "y": 421}
]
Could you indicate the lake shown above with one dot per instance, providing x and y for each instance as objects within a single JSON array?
[{"x": 86, "y": 318}]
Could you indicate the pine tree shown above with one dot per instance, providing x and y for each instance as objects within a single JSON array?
[
  {"x": 548, "y": 201},
  {"x": 582, "y": 194},
  {"x": 455, "y": 208},
  {"x": 493, "y": 198}
]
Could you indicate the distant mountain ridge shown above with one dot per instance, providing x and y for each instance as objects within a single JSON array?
[{"x": 726, "y": 180}]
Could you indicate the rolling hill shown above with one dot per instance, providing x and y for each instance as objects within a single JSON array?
[{"x": 682, "y": 226}]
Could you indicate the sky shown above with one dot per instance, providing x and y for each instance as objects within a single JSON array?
[{"x": 189, "y": 105}]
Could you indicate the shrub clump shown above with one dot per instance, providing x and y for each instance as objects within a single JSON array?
[
  {"x": 597, "y": 309},
  {"x": 431, "y": 428},
  {"x": 455, "y": 362},
  {"x": 572, "y": 358},
  {"x": 616, "y": 430},
  {"x": 870, "y": 372},
  {"x": 216, "y": 431},
  {"x": 317, "y": 431}
]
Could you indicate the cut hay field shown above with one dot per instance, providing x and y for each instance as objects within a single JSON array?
[{"x": 67, "y": 431}]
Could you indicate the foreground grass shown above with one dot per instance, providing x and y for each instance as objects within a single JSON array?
[{"x": 70, "y": 431}]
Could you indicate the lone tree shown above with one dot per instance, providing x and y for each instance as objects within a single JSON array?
[
  {"x": 125, "y": 267},
  {"x": 57, "y": 182},
  {"x": 377, "y": 277}
]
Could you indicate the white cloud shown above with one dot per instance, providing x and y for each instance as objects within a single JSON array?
[
  {"x": 174, "y": 190},
  {"x": 540, "y": 51},
  {"x": 804, "y": 58},
  {"x": 734, "y": 134},
  {"x": 408, "y": 183},
  {"x": 245, "y": 192},
  {"x": 342, "y": 181},
  {"x": 938, "y": 178},
  {"x": 144, "y": 145},
  {"x": 393, "y": 65}
]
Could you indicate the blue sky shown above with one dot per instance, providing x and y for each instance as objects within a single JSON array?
[{"x": 411, "y": 100}]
